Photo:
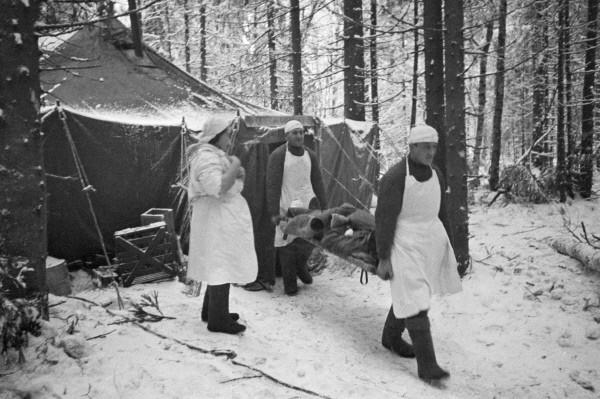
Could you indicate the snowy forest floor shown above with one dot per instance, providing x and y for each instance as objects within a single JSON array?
[{"x": 526, "y": 325}]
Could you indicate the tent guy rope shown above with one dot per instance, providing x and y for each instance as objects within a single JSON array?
[{"x": 86, "y": 188}]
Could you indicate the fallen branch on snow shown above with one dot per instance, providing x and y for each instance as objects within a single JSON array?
[
  {"x": 229, "y": 354},
  {"x": 586, "y": 254}
]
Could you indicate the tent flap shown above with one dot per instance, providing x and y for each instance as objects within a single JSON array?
[{"x": 130, "y": 167}]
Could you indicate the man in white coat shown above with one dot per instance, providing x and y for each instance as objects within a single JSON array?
[
  {"x": 414, "y": 247},
  {"x": 221, "y": 235}
]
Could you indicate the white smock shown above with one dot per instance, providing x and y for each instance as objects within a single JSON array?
[
  {"x": 221, "y": 236},
  {"x": 422, "y": 257},
  {"x": 295, "y": 187}
]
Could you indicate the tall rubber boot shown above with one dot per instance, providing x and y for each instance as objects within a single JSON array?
[
  {"x": 419, "y": 330},
  {"x": 204, "y": 314},
  {"x": 391, "y": 338},
  {"x": 287, "y": 258},
  {"x": 304, "y": 251},
  {"x": 218, "y": 311}
]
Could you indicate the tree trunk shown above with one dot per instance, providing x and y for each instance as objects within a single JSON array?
[
  {"x": 434, "y": 75},
  {"x": 354, "y": 61},
  {"x": 23, "y": 212},
  {"x": 375, "y": 88},
  {"x": 540, "y": 90},
  {"x": 456, "y": 153},
  {"x": 136, "y": 29},
  {"x": 373, "y": 53},
  {"x": 560, "y": 107},
  {"x": 296, "y": 56},
  {"x": 168, "y": 33},
  {"x": 482, "y": 100},
  {"x": 570, "y": 145},
  {"x": 585, "y": 253},
  {"x": 499, "y": 90},
  {"x": 415, "y": 82},
  {"x": 272, "y": 57},
  {"x": 186, "y": 35},
  {"x": 587, "y": 109},
  {"x": 203, "y": 61}
]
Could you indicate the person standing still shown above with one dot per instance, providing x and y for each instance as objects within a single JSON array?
[
  {"x": 221, "y": 236},
  {"x": 414, "y": 247},
  {"x": 293, "y": 176}
]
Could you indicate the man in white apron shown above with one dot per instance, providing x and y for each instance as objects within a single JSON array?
[
  {"x": 414, "y": 249},
  {"x": 293, "y": 176},
  {"x": 221, "y": 249}
]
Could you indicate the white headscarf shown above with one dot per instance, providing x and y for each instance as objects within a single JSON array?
[
  {"x": 423, "y": 134},
  {"x": 292, "y": 125},
  {"x": 212, "y": 127}
]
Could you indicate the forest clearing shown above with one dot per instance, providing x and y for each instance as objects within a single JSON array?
[{"x": 101, "y": 101}]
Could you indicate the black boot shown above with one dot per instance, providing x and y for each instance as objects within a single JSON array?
[
  {"x": 287, "y": 258},
  {"x": 304, "y": 274},
  {"x": 204, "y": 314},
  {"x": 304, "y": 251},
  {"x": 419, "y": 330},
  {"x": 392, "y": 336},
  {"x": 290, "y": 283},
  {"x": 218, "y": 311}
]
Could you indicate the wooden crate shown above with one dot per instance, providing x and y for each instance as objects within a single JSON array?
[
  {"x": 154, "y": 215},
  {"x": 145, "y": 254}
]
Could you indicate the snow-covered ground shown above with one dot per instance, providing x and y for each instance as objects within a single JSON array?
[{"x": 527, "y": 325}]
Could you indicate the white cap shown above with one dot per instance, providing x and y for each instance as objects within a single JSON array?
[
  {"x": 212, "y": 127},
  {"x": 292, "y": 125},
  {"x": 422, "y": 134}
]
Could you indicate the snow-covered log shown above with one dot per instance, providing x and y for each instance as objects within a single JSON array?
[{"x": 585, "y": 253}]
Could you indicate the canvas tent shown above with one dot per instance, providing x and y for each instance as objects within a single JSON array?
[{"x": 121, "y": 117}]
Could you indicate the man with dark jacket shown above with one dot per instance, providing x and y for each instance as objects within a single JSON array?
[
  {"x": 414, "y": 248},
  {"x": 293, "y": 178}
]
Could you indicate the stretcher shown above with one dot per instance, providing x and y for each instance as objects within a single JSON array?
[{"x": 345, "y": 232}]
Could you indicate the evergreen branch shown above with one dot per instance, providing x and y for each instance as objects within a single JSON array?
[{"x": 42, "y": 27}]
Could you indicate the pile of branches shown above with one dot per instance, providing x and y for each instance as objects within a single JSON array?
[
  {"x": 525, "y": 186},
  {"x": 19, "y": 316}
]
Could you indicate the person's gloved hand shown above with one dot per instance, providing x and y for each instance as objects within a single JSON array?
[
  {"x": 275, "y": 219},
  {"x": 384, "y": 269}
]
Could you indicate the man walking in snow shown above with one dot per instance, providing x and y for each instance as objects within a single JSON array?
[
  {"x": 414, "y": 249},
  {"x": 293, "y": 176}
]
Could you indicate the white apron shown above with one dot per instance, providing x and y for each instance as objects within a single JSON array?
[
  {"x": 422, "y": 258},
  {"x": 295, "y": 186},
  {"x": 221, "y": 236}
]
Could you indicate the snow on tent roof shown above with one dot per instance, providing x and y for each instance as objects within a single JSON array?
[
  {"x": 124, "y": 114},
  {"x": 95, "y": 72}
]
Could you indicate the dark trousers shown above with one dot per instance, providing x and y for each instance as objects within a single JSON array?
[
  {"x": 293, "y": 258},
  {"x": 266, "y": 268}
]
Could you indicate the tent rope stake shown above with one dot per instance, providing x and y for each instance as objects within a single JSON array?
[{"x": 86, "y": 188}]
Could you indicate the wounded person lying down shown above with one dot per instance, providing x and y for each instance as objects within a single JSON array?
[{"x": 345, "y": 231}]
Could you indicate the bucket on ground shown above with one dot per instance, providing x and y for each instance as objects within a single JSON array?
[{"x": 57, "y": 276}]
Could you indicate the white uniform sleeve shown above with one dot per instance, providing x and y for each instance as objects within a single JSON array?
[{"x": 206, "y": 174}]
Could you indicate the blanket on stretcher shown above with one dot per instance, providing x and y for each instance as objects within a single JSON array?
[{"x": 344, "y": 231}]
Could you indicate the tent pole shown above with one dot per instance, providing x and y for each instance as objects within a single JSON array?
[{"x": 136, "y": 29}]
